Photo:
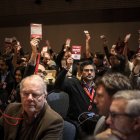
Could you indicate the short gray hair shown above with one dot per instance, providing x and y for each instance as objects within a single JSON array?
[
  {"x": 133, "y": 107},
  {"x": 133, "y": 101},
  {"x": 36, "y": 78}
]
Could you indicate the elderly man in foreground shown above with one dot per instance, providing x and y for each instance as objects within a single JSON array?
[{"x": 32, "y": 119}]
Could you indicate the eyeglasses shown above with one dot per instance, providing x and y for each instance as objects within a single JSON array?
[
  {"x": 87, "y": 70},
  {"x": 43, "y": 72},
  {"x": 34, "y": 96},
  {"x": 115, "y": 114}
]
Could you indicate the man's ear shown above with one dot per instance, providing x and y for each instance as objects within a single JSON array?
[
  {"x": 137, "y": 123},
  {"x": 45, "y": 96}
]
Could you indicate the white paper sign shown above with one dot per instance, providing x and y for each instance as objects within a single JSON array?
[
  {"x": 36, "y": 30},
  {"x": 76, "y": 52}
]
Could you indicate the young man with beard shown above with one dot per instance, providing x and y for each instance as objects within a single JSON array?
[{"x": 81, "y": 93}]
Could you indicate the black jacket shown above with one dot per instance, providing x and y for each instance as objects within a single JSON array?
[{"x": 79, "y": 100}]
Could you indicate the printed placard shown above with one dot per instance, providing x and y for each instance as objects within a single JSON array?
[
  {"x": 36, "y": 30},
  {"x": 76, "y": 52}
]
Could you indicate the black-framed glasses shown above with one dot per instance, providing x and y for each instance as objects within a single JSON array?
[
  {"x": 115, "y": 114},
  {"x": 43, "y": 72}
]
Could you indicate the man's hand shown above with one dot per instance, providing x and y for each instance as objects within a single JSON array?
[
  {"x": 105, "y": 134},
  {"x": 112, "y": 50},
  {"x": 34, "y": 44},
  {"x": 88, "y": 37},
  {"x": 67, "y": 44},
  {"x": 68, "y": 41},
  {"x": 69, "y": 62}
]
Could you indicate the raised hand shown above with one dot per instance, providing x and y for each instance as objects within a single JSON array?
[
  {"x": 69, "y": 62},
  {"x": 88, "y": 37},
  {"x": 34, "y": 43},
  {"x": 68, "y": 41},
  {"x": 112, "y": 50},
  {"x": 127, "y": 37}
]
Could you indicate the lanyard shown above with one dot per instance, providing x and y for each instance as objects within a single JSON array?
[
  {"x": 90, "y": 95},
  {"x": 7, "y": 119}
]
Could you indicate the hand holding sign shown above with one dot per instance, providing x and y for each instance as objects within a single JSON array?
[{"x": 34, "y": 43}]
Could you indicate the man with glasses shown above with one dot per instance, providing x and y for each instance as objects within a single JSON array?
[
  {"x": 32, "y": 119},
  {"x": 124, "y": 116}
]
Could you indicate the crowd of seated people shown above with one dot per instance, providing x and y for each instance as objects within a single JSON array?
[{"x": 95, "y": 84}]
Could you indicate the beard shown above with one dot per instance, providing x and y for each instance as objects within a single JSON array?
[{"x": 88, "y": 78}]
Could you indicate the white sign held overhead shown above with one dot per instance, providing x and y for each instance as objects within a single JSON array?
[
  {"x": 36, "y": 30},
  {"x": 76, "y": 52}
]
